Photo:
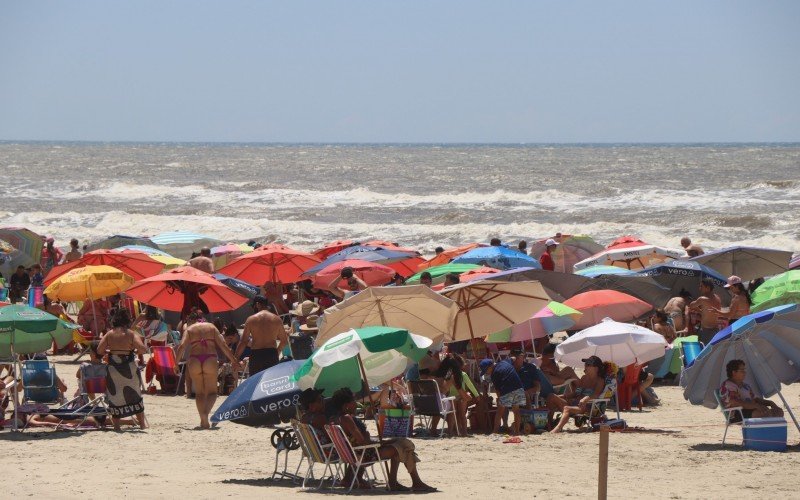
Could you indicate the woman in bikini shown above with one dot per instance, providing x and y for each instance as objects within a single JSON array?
[
  {"x": 576, "y": 402},
  {"x": 202, "y": 340},
  {"x": 123, "y": 381}
]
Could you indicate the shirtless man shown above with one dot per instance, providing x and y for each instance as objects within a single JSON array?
[
  {"x": 707, "y": 305},
  {"x": 264, "y": 333},
  {"x": 676, "y": 310},
  {"x": 549, "y": 367},
  {"x": 203, "y": 261},
  {"x": 691, "y": 250},
  {"x": 74, "y": 253}
]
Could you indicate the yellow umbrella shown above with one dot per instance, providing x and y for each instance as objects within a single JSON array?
[{"x": 169, "y": 261}]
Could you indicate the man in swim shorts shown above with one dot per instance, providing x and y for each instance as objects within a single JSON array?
[{"x": 264, "y": 333}]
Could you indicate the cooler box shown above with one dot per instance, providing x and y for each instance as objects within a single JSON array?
[
  {"x": 764, "y": 434},
  {"x": 535, "y": 417}
]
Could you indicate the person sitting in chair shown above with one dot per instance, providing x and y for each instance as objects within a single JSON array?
[
  {"x": 549, "y": 367},
  {"x": 736, "y": 392},
  {"x": 577, "y": 401}
]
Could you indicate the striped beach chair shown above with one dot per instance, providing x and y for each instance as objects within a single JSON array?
[
  {"x": 355, "y": 456},
  {"x": 314, "y": 452}
]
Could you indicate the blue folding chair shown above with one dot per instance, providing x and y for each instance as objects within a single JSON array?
[{"x": 39, "y": 382}]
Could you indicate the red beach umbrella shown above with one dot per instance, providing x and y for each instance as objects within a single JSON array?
[
  {"x": 137, "y": 265},
  {"x": 599, "y": 304},
  {"x": 371, "y": 273},
  {"x": 273, "y": 264},
  {"x": 332, "y": 247}
]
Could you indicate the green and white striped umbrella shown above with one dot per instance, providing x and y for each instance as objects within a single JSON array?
[
  {"x": 383, "y": 351},
  {"x": 27, "y": 330}
]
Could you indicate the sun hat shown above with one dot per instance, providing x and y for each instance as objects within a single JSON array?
[
  {"x": 305, "y": 308},
  {"x": 733, "y": 280},
  {"x": 311, "y": 324},
  {"x": 485, "y": 364},
  {"x": 550, "y": 242}
]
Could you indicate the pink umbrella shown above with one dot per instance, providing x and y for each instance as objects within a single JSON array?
[
  {"x": 371, "y": 273},
  {"x": 554, "y": 317},
  {"x": 599, "y": 304}
]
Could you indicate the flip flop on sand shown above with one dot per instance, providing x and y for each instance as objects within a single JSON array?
[{"x": 513, "y": 440}]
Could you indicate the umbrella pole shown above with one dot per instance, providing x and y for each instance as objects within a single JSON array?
[
  {"x": 533, "y": 344},
  {"x": 789, "y": 409},
  {"x": 17, "y": 373},
  {"x": 94, "y": 313}
]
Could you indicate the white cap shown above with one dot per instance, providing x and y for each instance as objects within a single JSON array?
[{"x": 550, "y": 242}]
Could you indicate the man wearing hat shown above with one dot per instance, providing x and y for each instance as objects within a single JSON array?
[
  {"x": 264, "y": 333},
  {"x": 302, "y": 311},
  {"x": 509, "y": 389},
  {"x": 546, "y": 260}
]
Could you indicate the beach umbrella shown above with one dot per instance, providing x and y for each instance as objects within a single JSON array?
[
  {"x": 168, "y": 261},
  {"x": 267, "y": 398},
  {"x": 371, "y": 355},
  {"x": 144, "y": 249},
  {"x": 270, "y": 264},
  {"x": 470, "y": 276},
  {"x": 497, "y": 257},
  {"x": 137, "y": 265},
  {"x": 6, "y": 249},
  {"x": 407, "y": 267},
  {"x": 795, "y": 262},
  {"x": 778, "y": 290},
  {"x": 748, "y": 263},
  {"x": 332, "y": 247},
  {"x": 371, "y": 273},
  {"x": 591, "y": 272},
  {"x": 642, "y": 287},
  {"x": 88, "y": 283},
  {"x": 552, "y": 318},
  {"x": 630, "y": 253},
  {"x": 438, "y": 273},
  {"x": 571, "y": 249},
  {"x": 223, "y": 254},
  {"x": 448, "y": 255},
  {"x": 416, "y": 308},
  {"x": 28, "y": 247},
  {"x": 620, "y": 343},
  {"x": 366, "y": 254},
  {"x": 686, "y": 275},
  {"x": 241, "y": 287},
  {"x": 559, "y": 286},
  {"x": 121, "y": 240},
  {"x": 389, "y": 245},
  {"x": 485, "y": 307},
  {"x": 599, "y": 304},
  {"x": 182, "y": 244},
  {"x": 185, "y": 287},
  {"x": 767, "y": 341}
]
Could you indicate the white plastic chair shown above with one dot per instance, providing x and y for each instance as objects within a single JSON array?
[{"x": 728, "y": 413}]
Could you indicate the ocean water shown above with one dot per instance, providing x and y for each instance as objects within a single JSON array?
[{"x": 418, "y": 195}]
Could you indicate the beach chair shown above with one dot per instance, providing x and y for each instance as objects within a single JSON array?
[
  {"x": 729, "y": 414},
  {"x": 164, "y": 364},
  {"x": 427, "y": 401},
  {"x": 630, "y": 384},
  {"x": 561, "y": 389},
  {"x": 314, "y": 452},
  {"x": 39, "y": 382},
  {"x": 355, "y": 456}
]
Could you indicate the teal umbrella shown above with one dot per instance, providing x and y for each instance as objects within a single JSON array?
[
  {"x": 27, "y": 330},
  {"x": 375, "y": 354}
]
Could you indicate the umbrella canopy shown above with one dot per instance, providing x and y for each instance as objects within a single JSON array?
[
  {"x": 686, "y": 275},
  {"x": 182, "y": 244},
  {"x": 571, "y": 249},
  {"x": 27, "y": 330},
  {"x": 438, "y": 273},
  {"x": 28, "y": 246},
  {"x": 559, "y": 286},
  {"x": 265, "y": 399},
  {"x": 168, "y": 261},
  {"x": 552, "y": 318},
  {"x": 642, "y": 287},
  {"x": 383, "y": 352},
  {"x": 497, "y": 257},
  {"x": 448, "y": 255},
  {"x": 778, "y": 290},
  {"x": 599, "y": 304},
  {"x": 795, "y": 262},
  {"x": 485, "y": 307},
  {"x": 619, "y": 343},
  {"x": 630, "y": 253},
  {"x": 6, "y": 249},
  {"x": 121, "y": 240},
  {"x": 223, "y": 254},
  {"x": 270, "y": 264},
  {"x": 144, "y": 249},
  {"x": 470, "y": 276},
  {"x": 180, "y": 288},
  {"x": 367, "y": 254},
  {"x": 767, "y": 341},
  {"x": 407, "y": 267},
  {"x": 241, "y": 287},
  {"x": 416, "y": 308},
  {"x": 390, "y": 245},
  {"x": 137, "y": 265},
  {"x": 591, "y": 272},
  {"x": 748, "y": 263},
  {"x": 88, "y": 283},
  {"x": 332, "y": 247},
  {"x": 373, "y": 274}
]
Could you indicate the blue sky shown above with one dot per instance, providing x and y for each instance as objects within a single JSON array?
[{"x": 379, "y": 71}]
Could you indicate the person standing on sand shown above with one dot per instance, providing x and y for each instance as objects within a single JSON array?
[
  {"x": 676, "y": 310},
  {"x": 264, "y": 333},
  {"x": 691, "y": 250},
  {"x": 51, "y": 255},
  {"x": 203, "y": 261},
  {"x": 707, "y": 305},
  {"x": 546, "y": 260},
  {"x": 74, "y": 253}
]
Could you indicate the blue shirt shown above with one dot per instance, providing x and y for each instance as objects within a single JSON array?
[
  {"x": 530, "y": 374},
  {"x": 505, "y": 378}
]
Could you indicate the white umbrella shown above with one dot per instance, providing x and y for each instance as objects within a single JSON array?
[
  {"x": 416, "y": 308},
  {"x": 619, "y": 343},
  {"x": 634, "y": 257},
  {"x": 746, "y": 262}
]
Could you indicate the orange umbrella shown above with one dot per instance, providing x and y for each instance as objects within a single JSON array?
[
  {"x": 273, "y": 264},
  {"x": 137, "y": 265},
  {"x": 448, "y": 255},
  {"x": 332, "y": 247},
  {"x": 471, "y": 275},
  {"x": 599, "y": 304},
  {"x": 407, "y": 267},
  {"x": 388, "y": 244},
  {"x": 371, "y": 273}
]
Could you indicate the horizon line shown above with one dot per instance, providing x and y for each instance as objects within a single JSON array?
[{"x": 400, "y": 143}]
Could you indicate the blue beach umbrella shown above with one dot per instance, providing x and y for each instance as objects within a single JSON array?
[
  {"x": 265, "y": 399},
  {"x": 683, "y": 274},
  {"x": 767, "y": 341},
  {"x": 242, "y": 287},
  {"x": 497, "y": 257}
]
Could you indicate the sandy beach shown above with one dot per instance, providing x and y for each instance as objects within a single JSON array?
[{"x": 672, "y": 451}]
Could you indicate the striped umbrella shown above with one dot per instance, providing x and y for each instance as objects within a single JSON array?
[{"x": 28, "y": 246}]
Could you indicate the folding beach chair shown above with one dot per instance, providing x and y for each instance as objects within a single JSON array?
[
  {"x": 729, "y": 414},
  {"x": 427, "y": 401},
  {"x": 314, "y": 452},
  {"x": 39, "y": 382},
  {"x": 164, "y": 364},
  {"x": 355, "y": 456}
]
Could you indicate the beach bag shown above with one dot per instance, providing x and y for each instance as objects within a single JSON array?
[
  {"x": 35, "y": 296},
  {"x": 395, "y": 423}
]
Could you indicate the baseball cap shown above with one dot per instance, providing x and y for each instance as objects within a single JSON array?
[
  {"x": 733, "y": 280},
  {"x": 593, "y": 361},
  {"x": 485, "y": 364},
  {"x": 550, "y": 242}
]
